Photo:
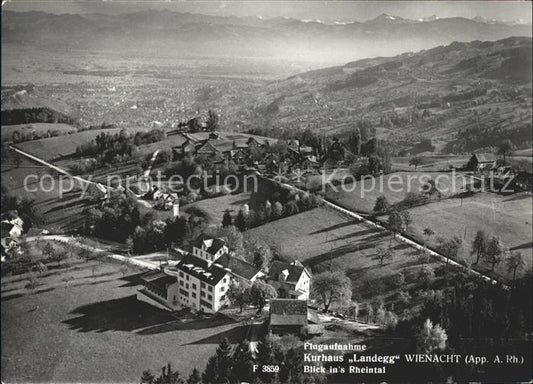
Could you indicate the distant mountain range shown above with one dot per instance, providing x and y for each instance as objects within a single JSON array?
[
  {"x": 184, "y": 34},
  {"x": 465, "y": 87}
]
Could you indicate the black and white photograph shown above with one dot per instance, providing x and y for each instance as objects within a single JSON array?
[{"x": 266, "y": 192}]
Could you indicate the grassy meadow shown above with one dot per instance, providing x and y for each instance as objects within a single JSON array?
[
  {"x": 324, "y": 239},
  {"x": 87, "y": 311},
  {"x": 508, "y": 217}
]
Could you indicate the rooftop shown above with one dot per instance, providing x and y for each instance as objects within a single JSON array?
[
  {"x": 238, "y": 267},
  {"x": 294, "y": 269},
  {"x": 211, "y": 244},
  {"x": 200, "y": 268},
  {"x": 158, "y": 278}
]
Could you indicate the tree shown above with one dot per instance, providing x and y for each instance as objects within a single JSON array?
[
  {"x": 239, "y": 294},
  {"x": 48, "y": 250},
  {"x": 260, "y": 292},
  {"x": 431, "y": 337},
  {"x": 212, "y": 121},
  {"x": 291, "y": 208},
  {"x": 240, "y": 221},
  {"x": 479, "y": 245},
  {"x": 31, "y": 278},
  {"x": 233, "y": 238},
  {"x": 16, "y": 136},
  {"x": 426, "y": 274},
  {"x": 398, "y": 280},
  {"x": 147, "y": 377},
  {"x": 168, "y": 376},
  {"x": 495, "y": 252},
  {"x": 277, "y": 210},
  {"x": 332, "y": 287},
  {"x": 261, "y": 255},
  {"x": 195, "y": 377},
  {"x": 241, "y": 364},
  {"x": 395, "y": 223},
  {"x": 227, "y": 220},
  {"x": 353, "y": 310},
  {"x": 85, "y": 251},
  {"x": 416, "y": 161},
  {"x": 18, "y": 160},
  {"x": 449, "y": 247},
  {"x": 175, "y": 231},
  {"x": 406, "y": 219},
  {"x": 384, "y": 254},
  {"x": 428, "y": 232},
  {"x": 369, "y": 314},
  {"x": 218, "y": 367},
  {"x": 265, "y": 356},
  {"x": 505, "y": 149},
  {"x": 431, "y": 188},
  {"x": 382, "y": 204},
  {"x": 59, "y": 256},
  {"x": 70, "y": 247},
  {"x": 514, "y": 263}
]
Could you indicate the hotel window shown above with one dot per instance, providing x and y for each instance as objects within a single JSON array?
[
  {"x": 181, "y": 274},
  {"x": 187, "y": 285},
  {"x": 203, "y": 285},
  {"x": 193, "y": 295},
  {"x": 210, "y": 288},
  {"x": 202, "y": 294},
  {"x": 209, "y": 297},
  {"x": 193, "y": 286},
  {"x": 187, "y": 277},
  {"x": 222, "y": 289},
  {"x": 181, "y": 283}
]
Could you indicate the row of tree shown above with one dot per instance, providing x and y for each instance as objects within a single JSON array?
[
  {"x": 107, "y": 147},
  {"x": 265, "y": 212},
  {"x": 236, "y": 365}
]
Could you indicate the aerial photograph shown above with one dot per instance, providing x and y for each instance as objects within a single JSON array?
[{"x": 252, "y": 191}]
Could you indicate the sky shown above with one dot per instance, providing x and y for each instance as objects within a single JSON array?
[{"x": 322, "y": 10}]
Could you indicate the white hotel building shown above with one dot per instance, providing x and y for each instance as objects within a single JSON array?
[{"x": 200, "y": 280}]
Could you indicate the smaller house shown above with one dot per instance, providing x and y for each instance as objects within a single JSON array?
[
  {"x": 291, "y": 280},
  {"x": 288, "y": 316},
  {"x": 480, "y": 161},
  {"x": 12, "y": 230},
  {"x": 181, "y": 151}
]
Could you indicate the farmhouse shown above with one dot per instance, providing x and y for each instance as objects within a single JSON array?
[
  {"x": 200, "y": 280},
  {"x": 291, "y": 280},
  {"x": 293, "y": 316},
  {"x": 480, "y": 161},
  {"x": 11, "y": 229},
  {"x": 183, "y": 150}
]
